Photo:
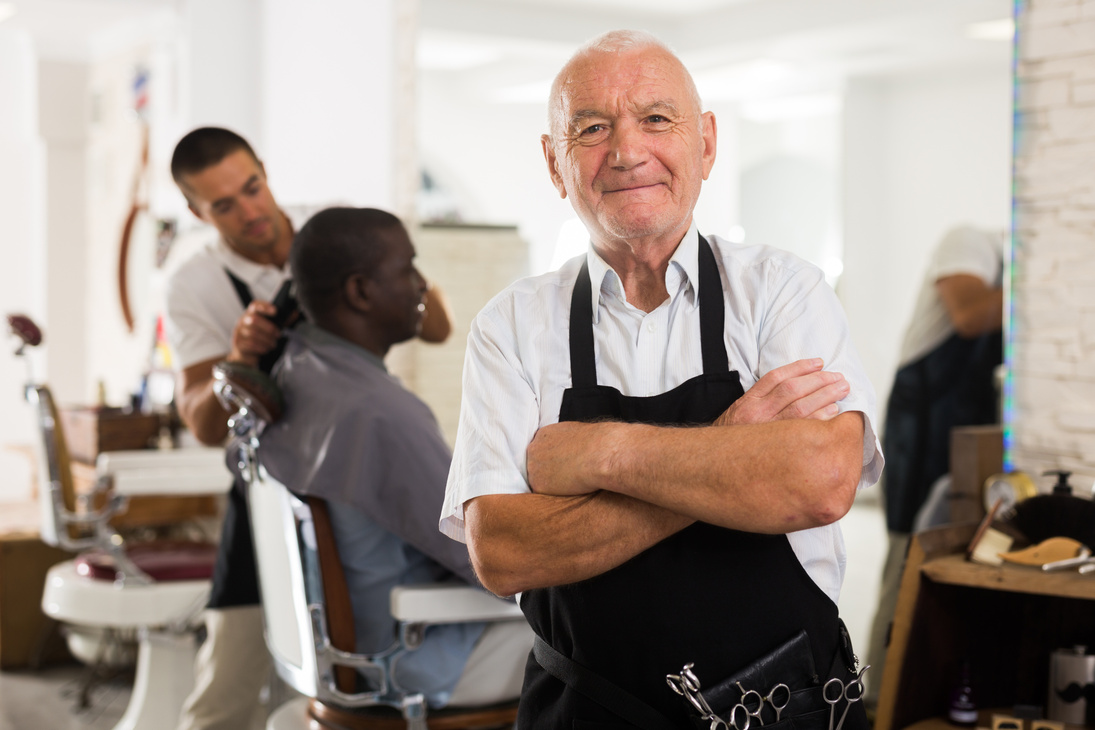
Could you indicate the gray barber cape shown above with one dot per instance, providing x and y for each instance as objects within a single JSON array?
[{"x": 353, "y": 435}]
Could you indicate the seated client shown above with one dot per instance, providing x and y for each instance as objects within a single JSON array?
[{"x": 355, "y": 437}]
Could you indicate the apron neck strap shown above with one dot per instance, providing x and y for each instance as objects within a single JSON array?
[
  {"x": 583, "y": 363},
  {"x": 712, "y": 313}
]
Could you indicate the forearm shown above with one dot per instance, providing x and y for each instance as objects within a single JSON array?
[
  {"x": 523, "y": 541},
  {"x": 775, "y": 477},
  {"x": 980, "y": 316},
  {"x": 973, "y": 308},
  {"x": 202, "y": 412}
]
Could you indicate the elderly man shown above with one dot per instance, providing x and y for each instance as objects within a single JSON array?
[{"x": 668, "y": 493}]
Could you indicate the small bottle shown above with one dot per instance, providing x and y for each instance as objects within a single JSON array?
[{"x": 962, "y": 709}]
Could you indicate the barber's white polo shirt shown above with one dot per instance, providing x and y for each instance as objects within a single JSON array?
[{"x": 202, "y": 306}]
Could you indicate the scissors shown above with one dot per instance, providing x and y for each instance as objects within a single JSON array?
[
  {"x": 687, "y": 684},
  {"x": 745, "y": 702},
  {"x": 778, "y": 698},
  {"x": 851, "y": 693},
  {"x": 784, "y": 693}
]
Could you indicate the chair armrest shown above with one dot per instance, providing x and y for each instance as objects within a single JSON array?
[
  {"x": 437, "y": 603},
  {"x": 167, "y": 472}
]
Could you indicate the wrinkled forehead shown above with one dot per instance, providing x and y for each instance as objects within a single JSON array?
[{"x": 609, "y": 81}]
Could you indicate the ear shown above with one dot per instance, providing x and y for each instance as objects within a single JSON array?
[
  {"x": 709, "y": 135},
  {"x": 553, "y": 164},
  {"x": 355, "y": 290}
]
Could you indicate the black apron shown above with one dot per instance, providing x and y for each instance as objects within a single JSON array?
[
  {"x": 950, "y": 386},
  {"x": 717, "y": 597},
  {"x": 235, "y": 577}
]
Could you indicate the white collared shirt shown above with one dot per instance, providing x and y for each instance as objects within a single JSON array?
[{"x": 778, "y": 309}]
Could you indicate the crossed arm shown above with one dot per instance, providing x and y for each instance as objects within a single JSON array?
[{"x": 780, "y": 459}]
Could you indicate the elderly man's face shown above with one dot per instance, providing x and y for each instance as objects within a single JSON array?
[{"x": 632, "y": 149}]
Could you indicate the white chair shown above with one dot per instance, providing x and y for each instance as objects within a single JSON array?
[
  {"x": 306, "y": 605},
  {"x": 154, "y": 589}
]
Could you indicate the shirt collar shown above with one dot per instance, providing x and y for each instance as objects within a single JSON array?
[
  {"x": 683, "y": 270},
  {"x": 315, "y": 336}
]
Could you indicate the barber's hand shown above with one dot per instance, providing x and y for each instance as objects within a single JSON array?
[
  {"x": 798, "y": 390},
  {"x": 254, "y": 335},
  {"x": 563, "y": 458}
]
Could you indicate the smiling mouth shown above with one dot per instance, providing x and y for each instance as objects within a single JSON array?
[{"x": 632, "y": 188}]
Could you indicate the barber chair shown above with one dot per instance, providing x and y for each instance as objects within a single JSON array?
[
  {"x": 306, "y": 604},
  {"x": 153, "y": 589}
]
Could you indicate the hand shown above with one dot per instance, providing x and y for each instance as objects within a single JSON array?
[
  {"x": 564, "y": 459},
  {"x": 798, "y": 390},
  {"x": 254, "y": 335}
]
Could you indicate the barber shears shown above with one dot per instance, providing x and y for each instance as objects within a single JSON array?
[
  {"x": 778, "y": 697},
  {"x": 741, "y": 715},
  {"x": 687, "y": 684},
  {"x": 836, "y": 690}
]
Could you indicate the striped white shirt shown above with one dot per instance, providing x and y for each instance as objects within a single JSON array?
[{"x": 778, "y": 309}]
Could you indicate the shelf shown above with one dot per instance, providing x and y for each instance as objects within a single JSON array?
[
  {"x": 956, "y": 570},
  {"x": 984, "y": 720}
]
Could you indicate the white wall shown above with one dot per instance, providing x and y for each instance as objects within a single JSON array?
[
  {"x": 489, "y": 157},
  {"x": 922, "y": 153},
  {"x": 220, "y": 67},
  {"x": 329, "y": 92}
]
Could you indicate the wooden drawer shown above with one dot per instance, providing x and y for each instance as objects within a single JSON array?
[
  {"x": 24, "y": 560},
  {"x": 89, "y": 431}
]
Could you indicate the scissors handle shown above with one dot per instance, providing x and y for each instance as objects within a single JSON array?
[{"x": 784, "y": 692}]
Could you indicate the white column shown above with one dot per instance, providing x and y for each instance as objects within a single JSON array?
[
  {"x": 869, "y": 270},
  {"x": 65, "y": 119},
  {"x": 22, "y": 246}
]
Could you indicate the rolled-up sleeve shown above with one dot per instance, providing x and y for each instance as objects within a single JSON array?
[
  {"x": 805, "y": 319},
  {"x": 499, "y": 415}
]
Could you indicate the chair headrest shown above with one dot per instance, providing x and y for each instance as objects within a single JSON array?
[
  {"x": 252, "y": 387},
  {"x": 24, "y": 328}
]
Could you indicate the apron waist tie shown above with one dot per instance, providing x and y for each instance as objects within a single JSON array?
[
  {"x": 615, "y": 699},
  {"x": 608, "y": 695}
]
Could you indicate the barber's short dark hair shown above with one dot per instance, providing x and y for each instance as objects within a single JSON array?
[
  {"x": 333, "y": 245},
  {"x": 205, "y": 147}
]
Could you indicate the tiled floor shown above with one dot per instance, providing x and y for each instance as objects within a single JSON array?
[{"x": 47, "y": 700}]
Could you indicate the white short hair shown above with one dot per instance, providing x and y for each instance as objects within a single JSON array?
[{"x": 614, "y": 41}]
